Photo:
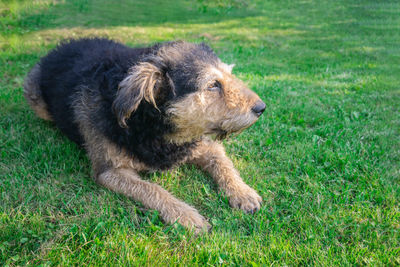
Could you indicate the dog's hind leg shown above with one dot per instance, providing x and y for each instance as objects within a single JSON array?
[
  {"x": 33, "y": 93},
  {"x": 152, "y": 196},
  {"x": 117, "y": 171},
  {"x": 212, "y": 158}
]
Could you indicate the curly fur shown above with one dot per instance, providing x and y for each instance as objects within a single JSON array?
[
  {"x": 102, "y": 67},
  {"x": 136, "y": 109}
]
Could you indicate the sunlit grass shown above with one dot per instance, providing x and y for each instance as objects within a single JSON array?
[{"x": 325, "y": 156}]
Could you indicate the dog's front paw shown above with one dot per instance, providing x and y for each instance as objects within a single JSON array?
[
  {"x": 188, "y": 217},
  {"x": 245, "y": 198},
  {"x": 193, "y": 220}
]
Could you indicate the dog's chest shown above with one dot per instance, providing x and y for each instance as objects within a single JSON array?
[{"x": 158, "y": 154}]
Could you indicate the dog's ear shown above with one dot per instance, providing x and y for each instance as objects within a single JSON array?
[
  {"x": 227, "y": 67},
  {"x": 142, "y": 83}
]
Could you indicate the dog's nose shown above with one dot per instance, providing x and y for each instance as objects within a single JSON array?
[{"x": 259, "y": 108}]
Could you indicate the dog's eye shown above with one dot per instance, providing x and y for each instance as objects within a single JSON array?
[{"x": 215, "y": 86}]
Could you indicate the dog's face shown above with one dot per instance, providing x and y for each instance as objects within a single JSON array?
[{"x": 194, "y": 89}]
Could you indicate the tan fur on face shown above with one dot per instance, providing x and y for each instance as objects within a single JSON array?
[{"x": 206, "y": 112}]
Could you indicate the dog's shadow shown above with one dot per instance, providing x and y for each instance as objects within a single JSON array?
[
  {"x": 53, "y": 176},
  {"x": 48, "y": 179}
]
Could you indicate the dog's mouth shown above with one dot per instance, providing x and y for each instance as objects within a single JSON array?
[
  {"x": 221, "y": 134},
  {"x": 220, "y": 131},
  {"x": 217, "y": 133}
]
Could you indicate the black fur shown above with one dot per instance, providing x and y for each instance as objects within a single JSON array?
[{"x": 97, "y": 66}]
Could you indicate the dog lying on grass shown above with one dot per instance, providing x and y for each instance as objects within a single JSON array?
[{"x": 144, "y": 109}]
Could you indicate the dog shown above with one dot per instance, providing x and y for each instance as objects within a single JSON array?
[{"x": 147, "y": 109}]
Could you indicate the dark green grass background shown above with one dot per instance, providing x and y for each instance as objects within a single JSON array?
[{"x": 324, "y": 156}]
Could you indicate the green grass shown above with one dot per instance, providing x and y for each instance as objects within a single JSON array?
[{"x": 325, "y": 156}]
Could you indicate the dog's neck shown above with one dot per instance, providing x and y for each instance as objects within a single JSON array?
[{"x": 146, "y": 138}]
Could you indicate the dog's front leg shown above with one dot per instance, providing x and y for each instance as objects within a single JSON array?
[
  {"x": 128, "y": 182},
  {"x": 212, "y": 158}
]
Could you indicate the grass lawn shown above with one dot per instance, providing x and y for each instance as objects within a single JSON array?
[{"x": 325, "y": 156}]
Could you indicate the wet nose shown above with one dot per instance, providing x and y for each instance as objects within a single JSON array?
[{"x": 259, "y": 108}]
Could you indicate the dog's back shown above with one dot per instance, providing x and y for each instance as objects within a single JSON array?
[{"x": 52, "y": 84}]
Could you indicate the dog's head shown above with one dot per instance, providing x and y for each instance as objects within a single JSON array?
[{"x": 192, "y": 88}]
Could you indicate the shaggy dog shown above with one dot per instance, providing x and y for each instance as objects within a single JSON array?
[{"x": 144, "y": 109}]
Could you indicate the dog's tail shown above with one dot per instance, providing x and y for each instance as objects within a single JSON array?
[{"x": 33, "y": 94}]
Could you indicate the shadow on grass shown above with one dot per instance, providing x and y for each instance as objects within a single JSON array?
[
  {"x": 47, "y": 182},
  {"x": 48, "y": 176}
]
